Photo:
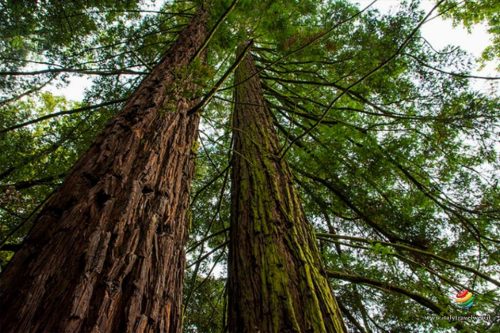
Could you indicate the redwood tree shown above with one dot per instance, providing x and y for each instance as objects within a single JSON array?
[
  {"x": 276, "y": 282},
  {"x": 106, "y": 251}
]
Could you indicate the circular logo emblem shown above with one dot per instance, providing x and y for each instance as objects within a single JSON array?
[{"x": 465, "y": 299}]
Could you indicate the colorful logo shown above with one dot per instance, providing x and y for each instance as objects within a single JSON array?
[{"x": 465, "y": 299}]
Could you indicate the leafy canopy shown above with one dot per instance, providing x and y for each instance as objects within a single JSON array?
[{"x": 392, "y": 150}]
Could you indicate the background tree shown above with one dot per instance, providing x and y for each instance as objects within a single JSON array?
[
  {"x": 385, "y": 160},
  {"x": 106, "y": 252},
  {"x": 276, "y": 278}
]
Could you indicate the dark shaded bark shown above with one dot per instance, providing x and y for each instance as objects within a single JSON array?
[
  {"x": 106, "y": 253},
  {"x": 276, "y": 282}
]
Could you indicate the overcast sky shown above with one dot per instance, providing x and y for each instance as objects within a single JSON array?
[{"x": 441, "y": 33}]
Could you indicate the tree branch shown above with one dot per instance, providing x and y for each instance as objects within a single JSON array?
[
  {"x": 326, "y": 236},
  {"x": 61, "y": 113}
]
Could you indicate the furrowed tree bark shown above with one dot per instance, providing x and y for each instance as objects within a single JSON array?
[
  {"x": 276, "y": 282},
  {"x": 106, "y": 253}
]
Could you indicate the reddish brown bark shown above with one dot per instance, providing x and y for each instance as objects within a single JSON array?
[
  {"x": 106, "y": 252},
  {"x": 276, "y": 283}
]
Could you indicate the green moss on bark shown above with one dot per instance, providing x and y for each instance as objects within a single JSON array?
[{"x": 276, "y": 282}]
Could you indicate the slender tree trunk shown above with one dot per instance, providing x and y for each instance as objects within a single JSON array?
[
  {"x": 276, "y": 283},
  {"x": 106, "y": 252}
]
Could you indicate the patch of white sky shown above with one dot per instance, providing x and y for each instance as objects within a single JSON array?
[
  {"x": 441, "y": 32},
  {"x": 76, "y": 85}
]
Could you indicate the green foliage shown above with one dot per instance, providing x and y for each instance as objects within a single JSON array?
[
  {"x": 35, "y": 158},
  {"x": 473, "y": 12},
  {"x": 206, "y": 310},
  {"x": 406, "y": 157}
]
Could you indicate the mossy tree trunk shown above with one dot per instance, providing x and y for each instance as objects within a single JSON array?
[
  {"x": 276, "y": 283},
  {"x": 106, "y": 253}
]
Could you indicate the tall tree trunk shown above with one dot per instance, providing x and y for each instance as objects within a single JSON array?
[
  {"x": 276, "y": 283},
  {"x": 106, "y": 252}
]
